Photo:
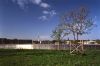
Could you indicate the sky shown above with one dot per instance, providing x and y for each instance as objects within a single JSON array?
[{"x": 28, "y": 19}]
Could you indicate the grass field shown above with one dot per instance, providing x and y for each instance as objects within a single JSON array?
[{"x": 9, "y": 57}]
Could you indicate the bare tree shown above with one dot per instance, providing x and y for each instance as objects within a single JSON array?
[
  {"x": 59, "y": 33},
  {"x": 78, "y": 22},
  {"x": 83, "y": 22}
]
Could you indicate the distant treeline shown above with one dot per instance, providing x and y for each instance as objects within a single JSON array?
[
  {"x": 14, "y": 41},
  {"x": 26, "y": 41},
  {"x": 23, "y": 41}
]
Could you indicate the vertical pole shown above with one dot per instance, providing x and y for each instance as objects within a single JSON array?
[
  {"x": 58, "y": 45},
  {"x": 82, "y": 46},
  {"x": 70, "y": 46}
]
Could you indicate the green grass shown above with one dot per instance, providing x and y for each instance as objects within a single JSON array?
[{"x": 11, "y": 57}]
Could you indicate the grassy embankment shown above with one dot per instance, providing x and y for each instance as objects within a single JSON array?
[{"x": 47, "y": 58}]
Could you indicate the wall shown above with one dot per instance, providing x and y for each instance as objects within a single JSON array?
[
  {"x": 43, "y": 46},
  {"x": 32, "y": 46},
  {"x": 16, "y": 46}
]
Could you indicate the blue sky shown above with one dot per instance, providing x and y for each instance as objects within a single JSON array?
[{"x": 26, "y": 19}]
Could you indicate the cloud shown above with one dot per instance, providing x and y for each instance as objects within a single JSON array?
[
  {"x": 44, "y": 5},
  {"x": 53, "y": 12},
  {"x": 43, "y": 18},
  {"x": 22, "y": 3},
  {"x": 47, "y": 15},
  {"x": 45, "y": 12},
  {"x": 36, "y": 1}
]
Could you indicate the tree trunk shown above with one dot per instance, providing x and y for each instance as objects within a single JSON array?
[
  {"x": 59, "y": 44},
  {"x": 77, "y": 36},
  {"x": 74, "y": 36}
]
